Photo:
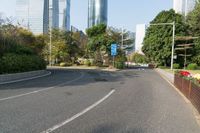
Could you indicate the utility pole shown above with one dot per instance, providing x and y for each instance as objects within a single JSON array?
[
  {"x": 122, "y": 37},
  {"x": 50, "y": 38},
  {"x": 173, "y": 44}
]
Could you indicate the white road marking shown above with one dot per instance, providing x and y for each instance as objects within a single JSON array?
[
  {"x": 34, "y": 92},
  {"x": 25, "y": 79},
  {"x": 79, "y": 114}
]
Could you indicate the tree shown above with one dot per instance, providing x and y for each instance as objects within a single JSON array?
[
  {"x": 138, "y": 58},
  {"x": 99, "y": 42},
  {"x": 64, "y": 47},
  {"x": 158, "y": 39},
  {"x": 193, "y": 20}
]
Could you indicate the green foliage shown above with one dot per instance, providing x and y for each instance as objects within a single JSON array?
[
  {"x": 96, "y": 30},
  {"x": 64, "y": 47},
  {"x": 87, "y": 63},
  {"x": 176, "y": 66},
  {"x": 119, "y": 65},
  {"x": 158, "y": 39},
  {"x": 163, "y": 67},
  {"x": 138, "y": 58},
  {"x": 192, "y": 66},
  {"x": 20, "y": 50},
  {"x": 193, "y": 19},
  {"x": 65, "y": 64},
  {"x": 196, "y": 60},
  {"x": 14, "y": 63}
]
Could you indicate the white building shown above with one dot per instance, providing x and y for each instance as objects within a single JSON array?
[
  {"x": 140, "y": 34},
  {"x": 183, "y": 6}
]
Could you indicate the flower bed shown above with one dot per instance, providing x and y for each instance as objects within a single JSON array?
[{"x": 189, "y": 85}]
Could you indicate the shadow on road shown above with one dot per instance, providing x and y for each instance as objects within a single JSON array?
[
  {"x": 116, "y": 128},
  {"x": 61, "y": 76}
]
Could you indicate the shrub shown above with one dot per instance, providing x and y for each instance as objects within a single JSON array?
[
  {"x": 163, "y": 67},
  {"x": 138, "y": 58},
  {"x": 176, "y": 66},
  {"x": 119, "y": 65},
  {"x": 14, "y": 63},
  {"x": 192, "y": 66},
  {"x": 65, "y": 64},
  {"x": 87, "y": 63}
]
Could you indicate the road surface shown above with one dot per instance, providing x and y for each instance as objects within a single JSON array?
[{"x": 91, "y": 101}]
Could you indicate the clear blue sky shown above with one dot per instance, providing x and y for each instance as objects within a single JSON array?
[{"x": 121, "y": 13}]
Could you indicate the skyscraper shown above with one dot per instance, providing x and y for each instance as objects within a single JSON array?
[
  {"x": 33, "y": 14},
  {"x": 46, "y": 17},
  {"x": 64, "y": 14},
  {"x": 55, "y": 14},
  {"x": 183, "y": 6},
  {"x": 97, "y": 12}
]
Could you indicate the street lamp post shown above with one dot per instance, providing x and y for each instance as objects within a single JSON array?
[{"x": 173, "y": 39}]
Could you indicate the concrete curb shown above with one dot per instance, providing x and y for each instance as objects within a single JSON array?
[
  {"x": 84, "y": 68},
  {"x": 19, "y": 77},
  {"x": 195, "y": 112}
]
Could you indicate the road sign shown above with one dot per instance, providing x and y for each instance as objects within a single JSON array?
[{"x": 114, "y": 49}]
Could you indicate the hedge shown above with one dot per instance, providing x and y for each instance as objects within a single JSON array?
[{"x": 15, "y": 63}]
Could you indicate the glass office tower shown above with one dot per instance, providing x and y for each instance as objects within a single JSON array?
[
  {"x": 55, "y": 14},
  {"x": 46, "y": 17},
  {"x": 33, "y": 15},
  {"x": 66, "y": 22},
  {"x": 97, "y": 12},
  {"x": 64, "y": 14}
]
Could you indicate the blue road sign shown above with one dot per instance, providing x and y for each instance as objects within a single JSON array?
[{"x": 114, "y": 49}]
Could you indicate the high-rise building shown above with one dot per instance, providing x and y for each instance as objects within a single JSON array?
[
  {"x": 55, "y": 14},
  {"x": 97, "y": 12},
  {"x": 46, "y": 17},
  {"x": 33, "y": 14},
  {"x": 64, "y": 14},
  {"x": 183, "y": 6},
  {"x": 140, "y": 34}
]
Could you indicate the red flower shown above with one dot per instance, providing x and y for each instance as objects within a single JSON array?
[{"x": 184, "y": 73}]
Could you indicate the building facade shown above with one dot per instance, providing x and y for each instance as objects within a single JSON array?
[
  {"x": 55, "y": 13},
  {"x": 183, "y": 6},
  {"x": 39, "y": 15},
  {"x": 33, "y": 14},
  {"x": 97, "y": 12},
  {"x": 140, "y": 34},
  {"x": 66, "y": 15}
]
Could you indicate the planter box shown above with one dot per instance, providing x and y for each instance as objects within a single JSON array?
[
  {"x": 189, "y": 89},
  {"x": 195, "y": 96},
  {"x": 186, "y": 87}
]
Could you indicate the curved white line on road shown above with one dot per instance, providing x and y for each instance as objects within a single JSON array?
[
  {"x": 79, "y": 114},
  {"x": 25, "y": 79},
  {"x": 34, "y": 92}
]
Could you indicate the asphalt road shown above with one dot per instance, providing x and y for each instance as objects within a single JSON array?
[{"x": 91, "y": 101}]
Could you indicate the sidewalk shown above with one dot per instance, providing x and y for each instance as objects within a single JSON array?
[{"x": 166, "y": 74}]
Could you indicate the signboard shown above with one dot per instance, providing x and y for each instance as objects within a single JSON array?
[{"x": 114, "y": 49}]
